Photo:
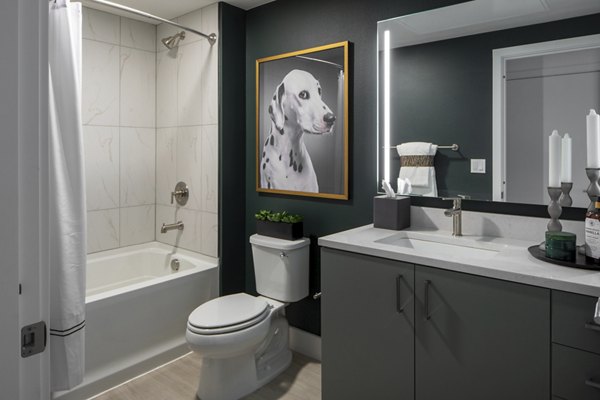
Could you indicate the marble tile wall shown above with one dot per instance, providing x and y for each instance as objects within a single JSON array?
[
  {"x": 150, "y": 120},
  {"x": 119, "y": 117},
  {"x": 187, "y": 132}
]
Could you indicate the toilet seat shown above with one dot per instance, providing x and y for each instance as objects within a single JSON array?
[{"x": 228, "y": 314}]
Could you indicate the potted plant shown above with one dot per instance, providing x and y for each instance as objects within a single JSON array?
[{"x": 279, "y": 224}]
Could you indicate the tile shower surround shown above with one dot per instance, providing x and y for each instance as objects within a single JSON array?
[
  {"x": 187, "y": 135},
  {"x": 150, "y": 120}
]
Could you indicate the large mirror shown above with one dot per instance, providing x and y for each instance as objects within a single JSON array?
[{"x": 469, "y": 94}]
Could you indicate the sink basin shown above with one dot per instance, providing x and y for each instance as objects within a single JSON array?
[{"x": 442, "y": 246}]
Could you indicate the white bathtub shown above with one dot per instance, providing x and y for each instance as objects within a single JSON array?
[{"x": 136, "y": 311}]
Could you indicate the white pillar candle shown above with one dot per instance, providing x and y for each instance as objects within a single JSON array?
[
  {"x": 566, "y": 171},
  {"x": 593, "y": 140},
  {"x": 554, "y": 160}
]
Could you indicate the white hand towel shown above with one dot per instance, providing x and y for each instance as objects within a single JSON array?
[
  {"x": 404, "y": 187},
  {"x": 422, "y": 179}
]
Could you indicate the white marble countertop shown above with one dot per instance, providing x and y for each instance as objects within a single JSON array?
[{"x": 507, "y": 259}]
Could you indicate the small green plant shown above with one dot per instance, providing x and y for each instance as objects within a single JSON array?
[
  {"x": 291, "y": 218},
  {"x": 274, "y": 217},
  {"x": 266, "y": 215},
  {"x": 262, "y": 215}
]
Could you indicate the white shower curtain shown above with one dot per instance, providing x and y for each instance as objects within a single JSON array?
[{"x": 67, "y": 197}]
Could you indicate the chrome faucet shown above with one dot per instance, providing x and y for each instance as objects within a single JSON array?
[
  {"x": 169, "y": 227},
  {"x": 456, "y": 213}
]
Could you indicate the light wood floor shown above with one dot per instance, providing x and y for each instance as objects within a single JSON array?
[{"x": 179, "y": 379}]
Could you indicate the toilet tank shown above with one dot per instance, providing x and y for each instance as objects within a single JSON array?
[{"x": 281, "y": 267}]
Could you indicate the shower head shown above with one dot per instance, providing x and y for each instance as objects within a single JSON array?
[{"x": 173, "y": 41}]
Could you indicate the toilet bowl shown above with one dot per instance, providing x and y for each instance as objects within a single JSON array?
[
  {"x": 243, "y": 339},
  {"x": 242, "y": 351}
]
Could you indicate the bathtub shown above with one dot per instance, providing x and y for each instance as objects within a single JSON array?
[{"x": 136, "y": 311}]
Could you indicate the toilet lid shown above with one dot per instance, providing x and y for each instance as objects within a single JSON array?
[{"x": 226, "y": 311}]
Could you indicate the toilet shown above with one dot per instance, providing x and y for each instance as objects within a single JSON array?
[{"x": 243, "y": 339}]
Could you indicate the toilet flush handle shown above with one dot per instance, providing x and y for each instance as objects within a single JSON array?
[{"x": 282, "y": 254}]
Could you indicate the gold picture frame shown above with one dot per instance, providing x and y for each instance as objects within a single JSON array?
[{"x": 301, "y": 138}]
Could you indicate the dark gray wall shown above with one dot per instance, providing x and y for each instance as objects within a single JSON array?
[
  {"x": 232, "y": 237},
  {"x": 288, "y": 25}
]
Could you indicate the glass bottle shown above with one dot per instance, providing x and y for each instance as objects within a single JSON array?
[{"x": 592, "y": 234}]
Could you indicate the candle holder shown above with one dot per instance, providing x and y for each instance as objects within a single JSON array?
[
  {"x": 593, "y": 191},
  {"x": 554, "y": 209},
  {"x": 565, "y": 199}
]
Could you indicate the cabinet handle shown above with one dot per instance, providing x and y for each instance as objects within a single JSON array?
[
  {"x": 427, "y": 284},
  {"x": 593, "y": 326},
  {"x": 399, "y": 306},
  {"x": 592, "y": 383}
]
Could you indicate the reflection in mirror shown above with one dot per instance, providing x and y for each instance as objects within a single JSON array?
[
  {"x": 436, "y": 85},
  {"x": 545, "y": 87}
]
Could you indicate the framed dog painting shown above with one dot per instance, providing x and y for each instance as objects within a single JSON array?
[{"x": 302, "y": 122}]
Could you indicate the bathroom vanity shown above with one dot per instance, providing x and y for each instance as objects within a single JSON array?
[{"x": 423, "y": 315}]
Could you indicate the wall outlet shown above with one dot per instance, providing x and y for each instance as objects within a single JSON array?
[{"x": 477, "y": 166}]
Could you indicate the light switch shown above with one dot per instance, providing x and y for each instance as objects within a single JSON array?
[{"x": 477, "y": 166}]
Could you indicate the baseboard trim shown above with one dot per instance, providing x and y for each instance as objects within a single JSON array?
[{"x": 305, "y": 343}]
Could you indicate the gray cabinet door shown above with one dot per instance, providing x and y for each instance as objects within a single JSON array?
[
  {"x": 575, "y": 373},
  {"x": 367, "y": 327},
  {"x": 480, "y": 338},
  {"x": 572, "y": 323}
]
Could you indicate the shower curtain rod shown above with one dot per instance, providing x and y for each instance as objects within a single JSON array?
[
  {"x": 212, "y": 38},
  {"x": 321, "y": 61}
]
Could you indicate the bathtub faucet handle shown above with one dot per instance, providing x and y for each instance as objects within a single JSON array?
[{"x": 180, "y": 194}]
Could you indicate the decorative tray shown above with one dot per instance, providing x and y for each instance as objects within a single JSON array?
[{"x": 580, "y": 260}]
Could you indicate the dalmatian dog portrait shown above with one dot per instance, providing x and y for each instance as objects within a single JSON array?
[{"x": 296, "y": 108}]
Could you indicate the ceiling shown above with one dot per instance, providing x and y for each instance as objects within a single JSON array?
[
  {"x": 479, "y": 16},
  {"x": 169, "y": 9}
]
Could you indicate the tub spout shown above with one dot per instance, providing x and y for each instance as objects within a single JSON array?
[{"x": 169, "y": 227}]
